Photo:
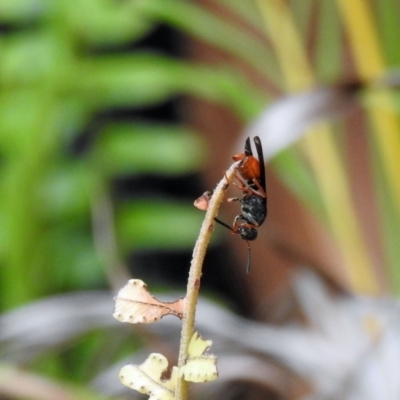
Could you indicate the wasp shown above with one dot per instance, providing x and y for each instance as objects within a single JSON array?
[{"x": 252, "y": 183}]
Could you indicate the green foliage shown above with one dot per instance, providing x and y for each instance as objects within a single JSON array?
[
  {"x": 126, "y": 148},
  {"x": 158, "y": 224},
  {"x": 53, "y": 82}
]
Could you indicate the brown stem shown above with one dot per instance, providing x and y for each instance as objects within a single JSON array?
[{"x": 193, "y": 286}]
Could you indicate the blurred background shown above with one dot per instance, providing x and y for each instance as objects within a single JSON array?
[{"x": 115, "y": 115}]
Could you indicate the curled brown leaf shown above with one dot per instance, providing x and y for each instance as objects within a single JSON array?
[
  {"x": 134, "y": 304},
  {"x": 202, "y": 202}
]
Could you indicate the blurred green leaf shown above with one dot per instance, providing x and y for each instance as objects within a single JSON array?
[
  {"x": 106, "y": 21},
  {"x": 204, "y": 25},
  {"x": 245, "y": 11},
  {"x": 389, "y": 28},
  {"x": 22, "y": 10},
  {"x": 303, "y": 12},
  {"x": 328, "y": 42},
  {"x": 19, "y": 112},
  {"x": 72, "y": 256},
  {"x": 144, "y": 78},
  {"x": 389, "y": 218},
  {"x": 293, "y": 170},
  {"x": 65, "y": 192},
  {"x": 27, "y": 58},
  {"x": 139, "y": 147},
  {"x": 139, "y": 79},
  {"x": 158, "y": 224}
]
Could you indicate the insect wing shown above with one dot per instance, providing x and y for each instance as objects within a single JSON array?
[
  {"x": 260, "y": 154},
  {"x": 247, "y": 148}
]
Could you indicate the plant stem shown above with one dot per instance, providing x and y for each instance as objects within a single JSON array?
[{"x": 195, "y": 273}]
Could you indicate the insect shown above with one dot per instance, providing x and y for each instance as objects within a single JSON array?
[{"x": 252, "y": 183}]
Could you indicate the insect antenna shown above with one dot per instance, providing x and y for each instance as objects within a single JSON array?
[
  {"x": 248, "y": 257},
  {"x": 222, "y": 223}
]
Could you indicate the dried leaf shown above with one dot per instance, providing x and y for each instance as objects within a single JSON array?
[
  {"x": 202, "y": 202},
  {"x": 135, "y": 304},
  {"x": 198, "y": 345},
  {"x": 199, "y": 367},
  {"x": 146, "y": 378}
]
